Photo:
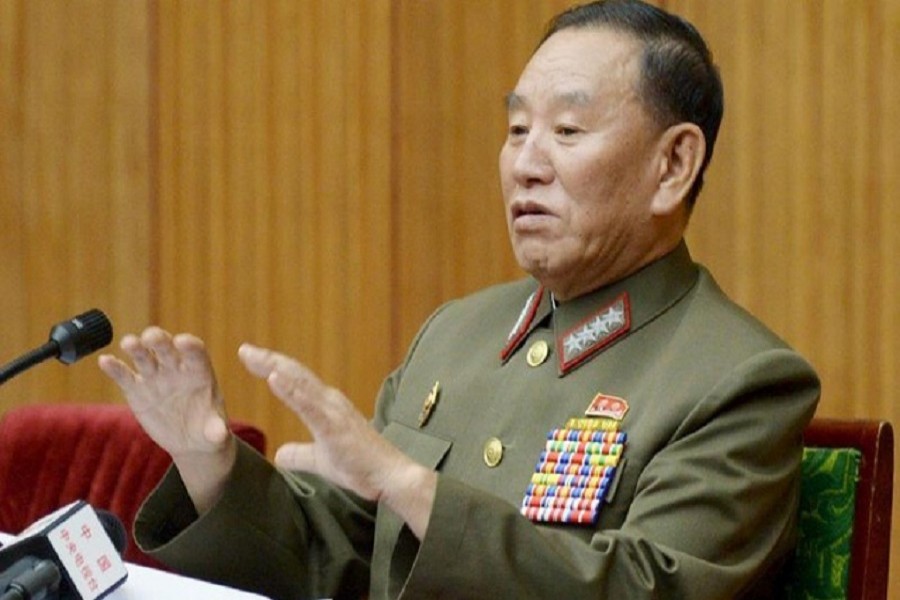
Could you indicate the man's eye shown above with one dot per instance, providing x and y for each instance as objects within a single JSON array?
[
  {"x": 517, "y": 130},
  {"x": 567, "y": 131}
]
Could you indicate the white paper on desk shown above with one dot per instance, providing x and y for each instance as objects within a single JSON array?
[{"x": 145, "y": 583}]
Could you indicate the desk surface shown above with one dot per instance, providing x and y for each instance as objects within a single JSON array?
[{"x": 145, "y": 583}]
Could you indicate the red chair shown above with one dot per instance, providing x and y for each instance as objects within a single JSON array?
[
  {"x": 871, "y": 444},
  {"x": 54, "y": 454}
]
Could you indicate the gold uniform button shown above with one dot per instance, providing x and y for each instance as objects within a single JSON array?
[
  {"x": 493, "y": 452},
  {"x": 537, "y": 354}
]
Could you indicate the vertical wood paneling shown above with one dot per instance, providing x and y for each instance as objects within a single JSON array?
[
  {"x": 837, "y": 170},
  {"x": 885, "y": 287},
  {"x": 320, "y": 175},
  {"x": 128, "y": 201},
  {"x": 74, "y": 178},
  {"x": 13, "y": 299},
  {"x": 275, "y": 202},
  {"x": 887, "y": 338},
  {"x": 455, "y": 63},
  {"x": 367, "y": 286},
  {"x": 804, "y": 133}
]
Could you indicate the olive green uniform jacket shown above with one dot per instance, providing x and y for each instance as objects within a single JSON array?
[{"x": 703, "y": 503}]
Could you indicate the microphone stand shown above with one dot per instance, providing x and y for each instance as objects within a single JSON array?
[{"x": 26, "y": 361}]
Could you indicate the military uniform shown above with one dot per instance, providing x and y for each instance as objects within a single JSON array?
[{"x": 686, "y": 410}]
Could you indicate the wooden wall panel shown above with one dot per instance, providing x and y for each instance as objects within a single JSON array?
[
  {"x": 13, "y": 299},
  {"x": 455, "y": 62},
  {"x": 274, "y": 199},
  {"x": 796, "y": 219},
  {"x": 320, "y": 175},
  {"x": 74, "y": 193}
]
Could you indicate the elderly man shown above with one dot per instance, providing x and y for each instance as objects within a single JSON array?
[{"x": 612, "y": 426}]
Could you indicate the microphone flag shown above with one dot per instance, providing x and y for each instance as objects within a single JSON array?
[{"x": 74, "y": 538}]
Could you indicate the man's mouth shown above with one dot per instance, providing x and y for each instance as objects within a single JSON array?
[{"x": 528, "y": 209}]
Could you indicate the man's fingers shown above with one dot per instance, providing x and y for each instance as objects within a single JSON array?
[
  {"x": 305, "y": 395},
  {"x": 193, "y": 352},
  {"x": 116, "y": 370},
  {"x": 159, "y": 342},
  {"x": 296, "y": 457},
  {"x": 291, "y": 381},
  {"x": 259, "y": 361},
  {"x": 286, "y": 377},
  {"x": 188, "y": 343},
  {"x": 144, "y": 360}
]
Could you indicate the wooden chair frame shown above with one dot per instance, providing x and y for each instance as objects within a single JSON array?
[{"x": 871, "y": 543}]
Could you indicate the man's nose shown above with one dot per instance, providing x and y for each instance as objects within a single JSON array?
[{"x": 533, "y": 165}]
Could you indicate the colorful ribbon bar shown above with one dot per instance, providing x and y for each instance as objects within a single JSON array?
[{"x": 574, "y": 472}]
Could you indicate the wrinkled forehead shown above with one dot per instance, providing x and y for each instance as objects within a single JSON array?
[{"x": 577, "y": 65}]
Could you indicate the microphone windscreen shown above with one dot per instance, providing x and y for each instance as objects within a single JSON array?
[
  {"x": 114, "y": 529},
  {"x": 81, "y": 335}
]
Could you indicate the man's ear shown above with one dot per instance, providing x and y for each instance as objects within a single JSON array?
[{"x": 682, "y": 148}]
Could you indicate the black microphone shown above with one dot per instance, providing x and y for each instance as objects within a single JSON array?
[
  {"x": 32, "y": 579},
  {"x": 71, "y": 554},
  {"x": 69, "y": 341}
]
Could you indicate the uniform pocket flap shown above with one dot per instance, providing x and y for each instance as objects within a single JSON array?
[{"x": 425, "y": 449}]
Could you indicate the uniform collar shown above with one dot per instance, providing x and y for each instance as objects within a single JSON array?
[
  {"x": 538, "y": 307},
  {"x": 587, "y": 325}
]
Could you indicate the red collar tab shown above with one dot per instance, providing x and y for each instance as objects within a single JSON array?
[
  {"x": 523, "y": 323},
  {"x": 594, "y": 333}
]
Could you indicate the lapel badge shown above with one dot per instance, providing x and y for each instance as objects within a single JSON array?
[
  {"x": 429, "y": 404},
  {"x": 609, "y": 407}
]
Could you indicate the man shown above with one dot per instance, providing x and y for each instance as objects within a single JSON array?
[{"x": 612, "y": 426}]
